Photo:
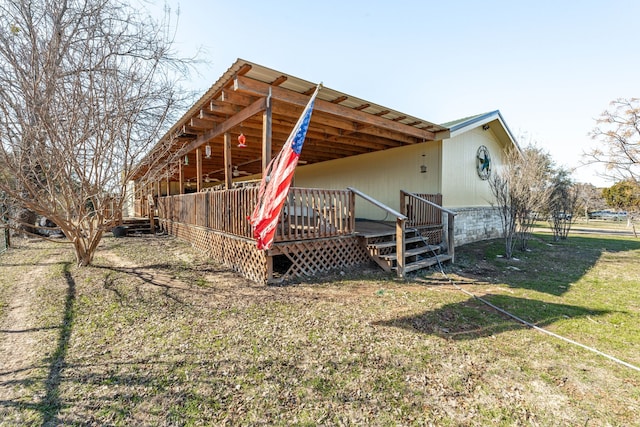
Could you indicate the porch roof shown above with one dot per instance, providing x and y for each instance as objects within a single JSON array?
[{"x": 341, "y": 125}]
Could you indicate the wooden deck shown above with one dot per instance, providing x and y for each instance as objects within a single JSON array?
[
  {"x": 368, "y": 228},
  {"x": 318, "y": 232}
]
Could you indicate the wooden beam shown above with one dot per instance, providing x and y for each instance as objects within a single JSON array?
[
  {"x": 227, "y": 125},
  {"x": 332, "y": 125},
  {"x": 198, "y": 169},
  {"x": 228, "y": 162},
  {"x": 190, "y": 130},
  {"x": 267, "y": 126},
  {"x": 180, "y": 177},
  {"x": 244, "y": 69},
  {"x": 279, "y": 81},
  {"x": 204, "y": 115},
  {"x": 250, "y": 86},
  {"x": 222, "y": 107},
  {"x": 200, "y": 124},
  {"x": 235, "y": 98},
  {"x": 400, "y": 247}
]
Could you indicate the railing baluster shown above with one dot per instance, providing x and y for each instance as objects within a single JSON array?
[{"x": 308, "y": 213}]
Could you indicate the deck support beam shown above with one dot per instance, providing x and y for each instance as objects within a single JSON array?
[
  {"x": 181, "y": 176},
  {"x": 253, "y": 87},
  {"x": 267, "y": 125},
  {"x": 451, "y": 249},
  {"x": 235, "y": 120},
  {"x": 198, "y": 169},
  {"x": 400, "y": 246},
  {"x": 228, "y": 162}
]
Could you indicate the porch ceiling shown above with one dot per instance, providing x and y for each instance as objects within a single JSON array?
[{"x": 341, "y": 125}]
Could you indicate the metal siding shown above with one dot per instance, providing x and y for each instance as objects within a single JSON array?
[
  {"x": 461, "y": 186},
  {"x": 380, "y": 174}
]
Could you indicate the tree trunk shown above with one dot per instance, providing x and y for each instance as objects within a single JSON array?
[
  {"x": 85, "y": 248},
  {"x": 25, "y": 220}
]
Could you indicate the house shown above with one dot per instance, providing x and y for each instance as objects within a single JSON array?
[{"x": 372, "y": 183}]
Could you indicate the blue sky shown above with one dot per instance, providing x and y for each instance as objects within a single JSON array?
[{"x": 550, "y": 67}]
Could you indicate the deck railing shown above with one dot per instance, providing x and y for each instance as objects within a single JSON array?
[
  {"x": 420, "y": 213},
  {"x": 307, "y": 213},
  {"x": 312, "y": 213},
  {"x": 401, "y": 221},
  {"x": 424, "y": 211}
]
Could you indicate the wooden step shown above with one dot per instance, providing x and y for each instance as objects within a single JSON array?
[
  {"x": 412, "y": 252},
  {"x": 137, "y": 225},
  {"x": 392, "y": 243},
  {"x": 389, "y": 234},
  {"x": 425, "y": 263}
]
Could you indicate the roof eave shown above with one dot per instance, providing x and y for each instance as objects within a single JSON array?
[{"x": 480, "y": 120}]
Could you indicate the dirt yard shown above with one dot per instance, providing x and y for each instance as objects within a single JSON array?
[{"x": 155, "y": 334}]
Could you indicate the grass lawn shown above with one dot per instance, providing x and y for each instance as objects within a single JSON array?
[{"x": 156, "y": 334}]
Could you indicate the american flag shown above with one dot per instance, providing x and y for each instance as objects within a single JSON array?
[{"x": 276, "y": 180}]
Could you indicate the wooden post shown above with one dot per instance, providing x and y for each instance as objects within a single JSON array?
[
  {"x": 152, "y": 222},
  {"x": 266, "y": 134},
  {"x": 403, "y": 202},
  {"x": 269, "y": 268},
  {"x": 450, "y": 231},
  {"x": 400, "y": 247},
  {"x": 352, "y": 211},
  {"x": 168, "y": 181},
  {"x": 180, "y": 177},
  {"x": 198, "y": 169},
  {"x": 228, "y": 163}
]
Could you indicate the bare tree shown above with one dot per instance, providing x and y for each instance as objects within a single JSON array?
[
  {"x": 521, "y": 189},
  {"x": 563, "y": 202},
  {"x": 86, "y": 88},
  {"x": 618, "y": 128}
]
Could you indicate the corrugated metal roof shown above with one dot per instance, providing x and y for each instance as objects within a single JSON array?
[
  {"x": 334, "y": 132},
  {"x": 466, "y": 121},
  {"x": 464, "y": 124},
  {"x": 295, "y": 84}
]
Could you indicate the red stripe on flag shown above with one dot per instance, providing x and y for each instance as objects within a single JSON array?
[{"x": 276, "y": 180}]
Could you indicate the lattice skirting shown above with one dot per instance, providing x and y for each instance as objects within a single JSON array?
[
  {"x": 311, "y": 257},
  {"x": 307, "y": 257},
  {"x": 241, "y": 255},
  {"x": 434, "y": 237}
]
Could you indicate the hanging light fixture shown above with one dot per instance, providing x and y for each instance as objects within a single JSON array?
[
  {"x": 423, "y": 167},
  {"x": 207, "y": 151},
  {"x": 186, "y": 160},
  {"x": 242, "y": 140}
]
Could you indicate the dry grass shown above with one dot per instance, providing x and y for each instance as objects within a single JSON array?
[{"x": 154, "y": 334}]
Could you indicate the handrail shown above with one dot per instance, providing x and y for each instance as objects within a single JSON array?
[
  {"x": 435, "y": 205},
  {"x": 377, "y": 203},
  {"x": 451, "y": 215},
  {"x": 400, "y": 230}
]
